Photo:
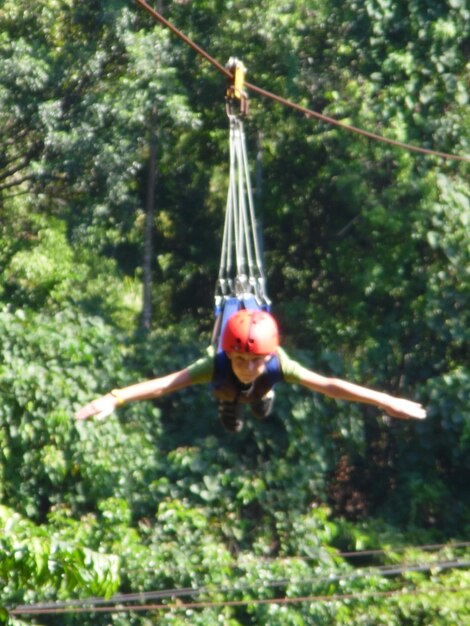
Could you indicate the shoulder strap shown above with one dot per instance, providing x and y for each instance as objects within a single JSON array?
[
  {"x": 225, "y": 384},
  {"x": 273, "y": 370},
  {"x": 222, "y": 368}
]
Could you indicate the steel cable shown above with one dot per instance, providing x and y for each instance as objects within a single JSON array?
[{"x": 308, "y": 112}]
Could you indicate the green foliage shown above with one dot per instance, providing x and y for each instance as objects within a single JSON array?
[
  {"x": 367, "y": 251},
  {"x": 42, "y": 270},
  {"x": 34, "y": 559}
]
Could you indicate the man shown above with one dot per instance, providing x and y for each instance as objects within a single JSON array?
[{"x": 249, "y": 364}]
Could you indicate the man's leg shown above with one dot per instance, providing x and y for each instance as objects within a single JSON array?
[
  {"x": 231, "y": 414},
  {"x": 262, "y": 408}
]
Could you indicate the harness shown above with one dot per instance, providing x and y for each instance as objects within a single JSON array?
[
  {"x": 227, "y": 387},
  {"x": 241, "y": 281}
]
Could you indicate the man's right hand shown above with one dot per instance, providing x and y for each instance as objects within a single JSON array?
[{"x": 100, "y": 408}]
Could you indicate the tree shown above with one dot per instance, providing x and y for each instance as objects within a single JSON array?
[
  {"x": 35, "y": 560},
  {"x": 367, "y": 257}
]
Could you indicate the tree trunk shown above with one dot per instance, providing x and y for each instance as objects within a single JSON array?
[{"x": 149, "y": 224}]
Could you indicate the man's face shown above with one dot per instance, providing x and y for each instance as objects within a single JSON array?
[{"x": 247, "y": 367}]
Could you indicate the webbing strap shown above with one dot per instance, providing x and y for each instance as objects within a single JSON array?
[{"x": 241, "y": 269}]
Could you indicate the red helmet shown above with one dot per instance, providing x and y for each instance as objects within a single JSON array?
[{"x": 250, "y": 331}]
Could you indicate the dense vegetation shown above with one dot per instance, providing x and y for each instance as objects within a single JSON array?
[{"x": 367, "y": 250}]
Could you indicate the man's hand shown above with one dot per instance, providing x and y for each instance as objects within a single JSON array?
[
  {"x": 404, "y": 409},
  {"x": 99, "y": 408}
]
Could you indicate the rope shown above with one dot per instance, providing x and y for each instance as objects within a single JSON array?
[{"x": 298, "y": 107}]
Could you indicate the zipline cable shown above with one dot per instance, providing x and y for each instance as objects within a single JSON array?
[
  {"x": 146, "y": 596},
  {"x": 320, "y": 599},
  {"x": 182, "y": 36},
  {"x": 365, "y": 133},
  {"x": 308, "y": 112},
  {"x": 383, "y": 570},
  {"x": 360, "y": 554},
  {"x": 425, "y": 547}
]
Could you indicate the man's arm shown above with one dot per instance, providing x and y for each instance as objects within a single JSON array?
[
  {"x": 343, "y": 390},
  {"x": 104, "y": 405}
]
